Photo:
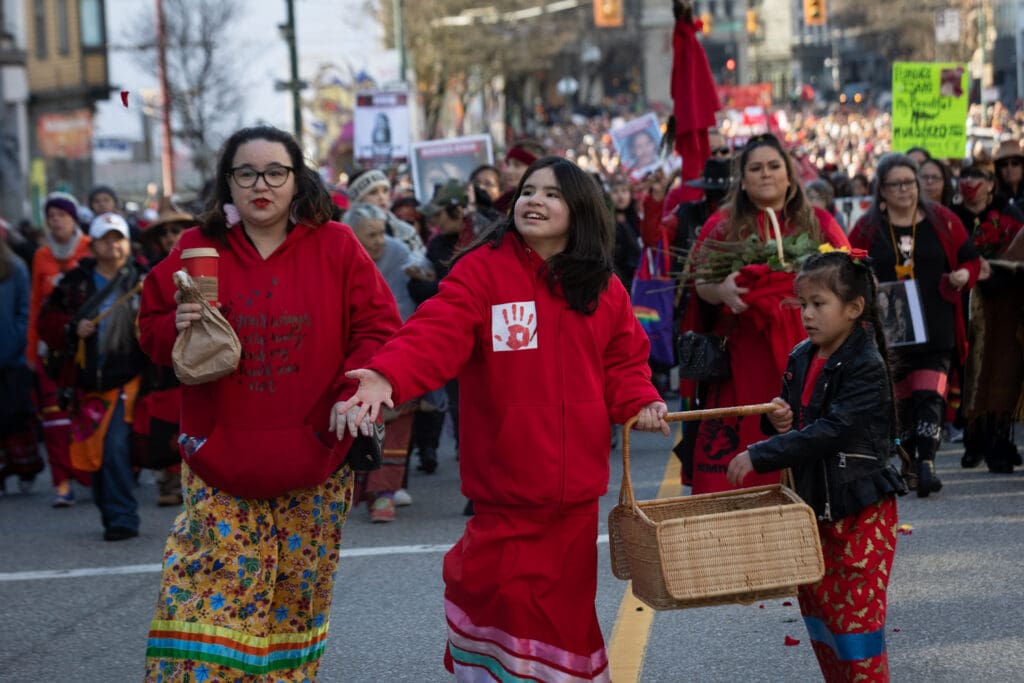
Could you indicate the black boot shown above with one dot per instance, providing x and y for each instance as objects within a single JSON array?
[
  {"x": 971, "y": 459},
  {"x": 927, "y": 481},
  {"x": 428, "y": 460}
]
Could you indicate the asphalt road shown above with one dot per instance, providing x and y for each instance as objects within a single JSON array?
[{"x": 74, "y": 608}]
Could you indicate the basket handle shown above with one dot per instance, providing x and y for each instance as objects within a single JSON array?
[
  {"x": 626, "y": 497},
  {"x": 778, "y": 234}
]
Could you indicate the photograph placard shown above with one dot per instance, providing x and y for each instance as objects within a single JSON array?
[
  {"x": 436, "y": 161},
  {"x": 900, "y": 310}
]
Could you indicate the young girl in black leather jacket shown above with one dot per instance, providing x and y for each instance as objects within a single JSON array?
[{"x": 835, "y": 426}]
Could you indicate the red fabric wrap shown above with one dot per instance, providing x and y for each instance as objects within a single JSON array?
[{"x": 694, "y": 98}]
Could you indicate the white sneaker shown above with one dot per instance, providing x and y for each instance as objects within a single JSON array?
[{"x": 402, "y": 498}]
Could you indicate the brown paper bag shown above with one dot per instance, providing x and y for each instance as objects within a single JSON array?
[{"x": 209, "y": 349}]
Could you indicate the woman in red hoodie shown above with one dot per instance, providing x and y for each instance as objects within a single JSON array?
[
  {"x": 546, "y": 348},
  {"x": 249, "y": 565}
]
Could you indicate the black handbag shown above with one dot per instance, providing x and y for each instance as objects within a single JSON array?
[
  {"x": 367, "y": 452},
  {"x": 703, "y": 357}
]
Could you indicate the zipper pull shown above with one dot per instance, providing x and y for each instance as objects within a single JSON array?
[
  {"x": 828, "y": 511},
  {"x": 842, "y": 460}
]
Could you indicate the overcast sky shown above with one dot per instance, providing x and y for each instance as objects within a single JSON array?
[{"x": 337, "y": 32}]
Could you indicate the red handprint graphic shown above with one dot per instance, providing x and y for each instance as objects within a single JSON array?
[{"x": 514, "y": 326}]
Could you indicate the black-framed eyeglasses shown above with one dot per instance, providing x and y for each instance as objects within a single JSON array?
[
  {"x": 928, "y": 178},
  {"x": 899, "y": 184},
  {"x": 274, "y": 175}
]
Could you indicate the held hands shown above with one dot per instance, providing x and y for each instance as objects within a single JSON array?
[
  {"x": 361, "y": 408},
  {"x": 656, "y": 184},
  {"x": 85, "y": 329},
  {"x": 651, "y": 418},
  {"x": 959, "y": 277},
  {"x": 731, "y": 294},
  {"x": 986, "y": 270},
  {"x": 739, "y": 468},
  {"x": 782, "y": 417}
]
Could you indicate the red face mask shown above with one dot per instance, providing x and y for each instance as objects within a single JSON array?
[{"x": 970, "y": 187}]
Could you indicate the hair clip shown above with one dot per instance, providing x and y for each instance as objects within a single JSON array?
[{"x": 859, "y": 257}]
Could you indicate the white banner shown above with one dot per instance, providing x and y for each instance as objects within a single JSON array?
[{"x": 381, "y": 128}]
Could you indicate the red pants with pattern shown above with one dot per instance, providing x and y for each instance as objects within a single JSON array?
[
  {"x": 845, "y": 611},
  {"x": 57, "y": 434}
]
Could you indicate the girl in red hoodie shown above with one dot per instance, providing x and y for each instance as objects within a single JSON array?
[{"x": 545, "y": 346}]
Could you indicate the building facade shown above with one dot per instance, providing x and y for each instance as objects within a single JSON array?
[{"x": 66, "y": 46}]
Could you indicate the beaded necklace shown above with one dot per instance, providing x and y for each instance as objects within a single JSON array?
[{"x": 905, "y": 271}]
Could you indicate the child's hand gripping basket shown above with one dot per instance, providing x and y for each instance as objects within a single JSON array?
[{"x": 713, "y": 549}]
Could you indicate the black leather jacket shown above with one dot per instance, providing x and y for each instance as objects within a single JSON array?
[{"x": 841, "y": 456}]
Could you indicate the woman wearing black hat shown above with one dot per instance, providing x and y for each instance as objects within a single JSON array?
[{"x": 1009, "y": 160}]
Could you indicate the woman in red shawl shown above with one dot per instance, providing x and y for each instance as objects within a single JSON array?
[{"x": 750, "y": 312}]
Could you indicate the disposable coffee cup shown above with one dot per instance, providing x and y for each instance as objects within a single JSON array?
[{"x": 201, "y": 265}]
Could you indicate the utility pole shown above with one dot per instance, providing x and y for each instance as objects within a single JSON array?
[
  {"x": 294, "y": 85},
  {"x": 397, "y": 7},
  {"x": 167, "y": 147}
]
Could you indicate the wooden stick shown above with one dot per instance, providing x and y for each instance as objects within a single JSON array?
[{"x": 120, "y": 300}]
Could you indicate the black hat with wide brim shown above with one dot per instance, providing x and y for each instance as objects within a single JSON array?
[{"x": 717, "y": 175}]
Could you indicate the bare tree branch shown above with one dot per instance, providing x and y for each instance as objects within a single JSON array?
[{"x": 204, "y": 78}]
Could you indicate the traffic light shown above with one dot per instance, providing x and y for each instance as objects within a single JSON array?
[
  {"x": 730, "y": 64},
  {"x": 607, "y": 13},
  {"x": 814, "y": 12},
  {"x": 751, "y": 22}
]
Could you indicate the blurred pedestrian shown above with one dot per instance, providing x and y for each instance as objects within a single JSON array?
[
  {"x": 19, "y": 450},
  {"x": 372, "y": 187},
  {"x": 91, "y": 316},
  {"x": 910, "y": 238},
  {"x": 65, "y": 246},
  {"x": 383, "y": 489}
]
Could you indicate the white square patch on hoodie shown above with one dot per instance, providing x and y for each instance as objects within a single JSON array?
[{"x": 514, "y": 326}]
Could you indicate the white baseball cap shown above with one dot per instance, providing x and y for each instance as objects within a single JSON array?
[{"x": 108, "y": 222}]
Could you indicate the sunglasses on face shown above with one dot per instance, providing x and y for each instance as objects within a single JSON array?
[
  {"x": 1010, "y": 162},
  {"x": 720, "y": 151}
]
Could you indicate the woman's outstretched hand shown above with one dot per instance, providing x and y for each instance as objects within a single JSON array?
[
  {"x": 651, "y": 418},
  {"x": 363, "y": 406}
]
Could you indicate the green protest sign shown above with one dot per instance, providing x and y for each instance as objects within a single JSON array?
[{"x": 929, "y": 108}]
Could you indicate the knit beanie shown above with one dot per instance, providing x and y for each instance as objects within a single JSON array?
[
  {"x": 364, "y": 183},
  {"x": 64, "y": 202},
  {"x": 520, "y": 154}
]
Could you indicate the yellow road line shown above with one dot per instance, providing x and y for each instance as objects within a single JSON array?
[{"x": 628, "y": 643}]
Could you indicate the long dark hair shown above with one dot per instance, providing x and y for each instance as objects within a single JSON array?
[
  {"x": 837, "y": 272},
  {"x": 743, "y": 213},
  {"x": 583, "y": 268},
  {"x": 312, "y": 204},
  {"x": 878, "y": 216}
]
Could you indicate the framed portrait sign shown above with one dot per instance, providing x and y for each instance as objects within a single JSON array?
[
  {"x": 901, "y": 313},
  {"x": 436, "y": 161}
]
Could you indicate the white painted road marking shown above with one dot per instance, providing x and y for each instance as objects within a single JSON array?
[{"x": 43, "y": 575}]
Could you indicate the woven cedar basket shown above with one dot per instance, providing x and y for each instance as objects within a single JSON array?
[{"x": 717, "y": 548}]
